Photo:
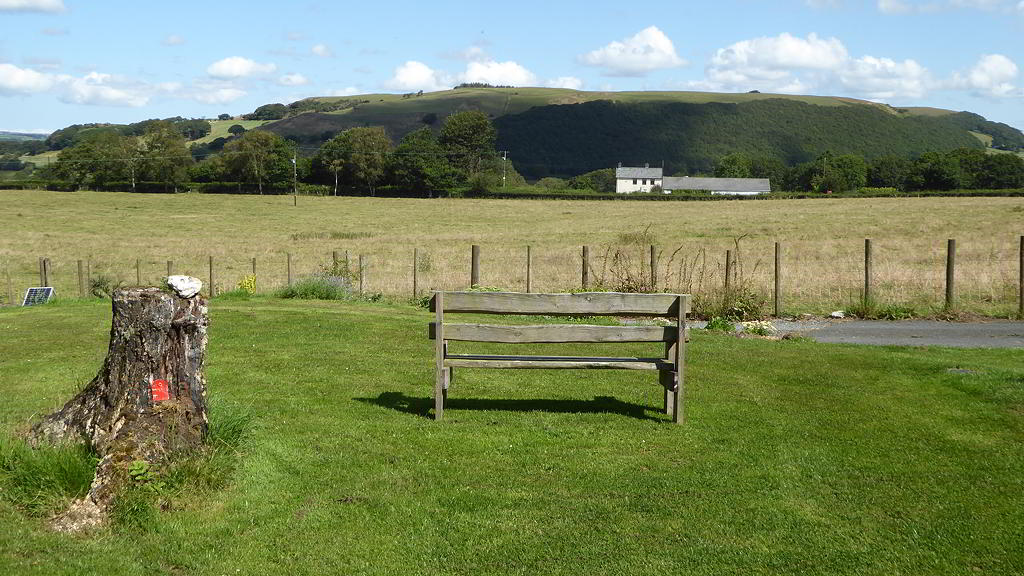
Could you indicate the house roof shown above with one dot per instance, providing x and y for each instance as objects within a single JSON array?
[
  {"x": 739, "y": 185},
  {"x": 629, "y": 172}
]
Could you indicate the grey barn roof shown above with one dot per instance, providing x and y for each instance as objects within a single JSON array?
[
  {"x": 630, "y": 172},
  {"x": 743, "y": 185}
]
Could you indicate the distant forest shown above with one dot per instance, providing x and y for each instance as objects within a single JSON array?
[{"x": 566, "y": 140}]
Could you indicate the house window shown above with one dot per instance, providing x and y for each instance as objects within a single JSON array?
[{"x": 634, "y": 181}]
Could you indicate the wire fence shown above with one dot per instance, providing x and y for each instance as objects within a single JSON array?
[{"x": 763, "y": 275}]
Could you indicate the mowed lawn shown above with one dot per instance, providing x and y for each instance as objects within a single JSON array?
[{"x": 795, "y": 457}]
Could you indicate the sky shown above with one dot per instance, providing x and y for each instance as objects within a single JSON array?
[{"x": 68, "y": 62}]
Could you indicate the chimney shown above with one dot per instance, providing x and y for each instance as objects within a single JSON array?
[
  {"x": 647, "y": 164},
  {"x": 620, "y": 164}
]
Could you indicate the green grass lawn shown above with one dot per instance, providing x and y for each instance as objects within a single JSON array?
[{"x": 795, "y": 457}]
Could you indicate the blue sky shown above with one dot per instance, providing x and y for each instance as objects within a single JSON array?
[{"x": 75, "y": 61}]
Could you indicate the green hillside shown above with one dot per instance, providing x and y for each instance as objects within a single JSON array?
[
  {"x": 561, "y": 132},
  {"x": 689, "y": 138},
  {"x": 20, "y": 136},
  {"x": 402, "y": 113}
]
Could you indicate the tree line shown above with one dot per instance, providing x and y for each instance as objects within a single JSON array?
[{"x": 460, "y": 155}]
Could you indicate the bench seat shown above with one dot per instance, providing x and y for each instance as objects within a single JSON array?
[{"x": 554, "y": 362}]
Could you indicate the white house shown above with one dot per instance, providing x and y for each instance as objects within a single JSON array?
[{"x": 631, "y": 179}]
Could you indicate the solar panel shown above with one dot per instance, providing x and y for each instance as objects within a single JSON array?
[{"x": 35, "y": 296}]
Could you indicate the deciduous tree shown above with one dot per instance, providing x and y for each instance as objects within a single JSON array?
[{"x": 468, "y": 138}]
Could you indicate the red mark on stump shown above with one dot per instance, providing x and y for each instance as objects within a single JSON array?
[{"x": 160, "y": 390}]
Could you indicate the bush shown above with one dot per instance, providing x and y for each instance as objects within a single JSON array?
[
  {"x": 103, "y": 286},
  {"x": 720, "y": 324},
  {"x": 314, "y": 288},
  {"x": 552, "y": 183},
  {"x": 331, "y": 282}
]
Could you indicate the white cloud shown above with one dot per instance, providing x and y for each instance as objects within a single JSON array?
[
  {"x": 101, "y": 90},
  {"x": 648, "y": 50},
  {"x": 993, "y": 75},
  {"x": 322, "y": 50},
  {"x": 791, "y": 65},
  {"x": 238, "y": 67},
  {"x": 217, "y": 95},
  {"x": 41, "y": 64},
  {"x": 570, "y": 82},
  {"x": 346, "y": 91},
  {"x": 1020, "y": 7},
  {"x": 32, "y": 6},
  {"x": 893, "y": 7},
  {"x": 293, "y": 80},
  {"x": 926, "y": 6},
  {"x": 498, "y": 73},
  {"x": 55, "y": 31},
  {"x": 781, "y": 63},
  {"x": 886, "y": 79},
  {"x": 15, "y": 80},
  {"x": 173, "y": 40},
  {"x": 414, "y": 75}
]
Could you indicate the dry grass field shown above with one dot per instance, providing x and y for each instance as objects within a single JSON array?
[{"x": 823, "y": 243}]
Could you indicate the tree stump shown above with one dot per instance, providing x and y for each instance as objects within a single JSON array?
[{"x": 148, "y": 400}]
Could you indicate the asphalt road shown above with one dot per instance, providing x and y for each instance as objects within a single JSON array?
[{"x": 990, "y": 334}]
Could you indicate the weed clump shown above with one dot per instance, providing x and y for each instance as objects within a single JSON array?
[
  {"x": 41, "y": 480},
  {"x": 331, "y": 282}
]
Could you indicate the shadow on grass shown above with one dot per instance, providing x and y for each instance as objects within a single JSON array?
[{"x": 599, "y": 405}]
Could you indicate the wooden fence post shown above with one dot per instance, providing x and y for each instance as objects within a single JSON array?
[
  {"x": 950, "y": 271},
  {"x": 529, "y": 266},
  {"x": 213, "y": 286},
  {"x": 1020, "y": 287},
  {"x": 728, "y": 273},
  {"x": 10, "y": 285},
  {"x": 348, "y": 265},
  {"x": 44, "y": 271},
  {"x": 474, "y": 267},
  {"x": 585, "y": 279},
  {"x": 138, "y": 272},
  {"x": 254, "y": 272},
  {"x": 415, "y": 273},
  {"x": 81, "y": 279},
  {"x": 170, "y": 267},
  {"x": 654, "y": 269},
  {"x": 778, "y": 279},
  {"x": 289, "y": 266},
  {"x": 867, "y": 272},
  {"x": 362, "y": 273}
]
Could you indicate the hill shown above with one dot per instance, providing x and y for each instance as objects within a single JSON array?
[
  {"x": 20, "y": 136},
  {"x": 562, "y": 132}
]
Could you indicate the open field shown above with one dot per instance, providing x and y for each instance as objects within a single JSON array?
[
  {"x": 795, "y": 457},
  {"x": 219, "y": 129},
  {"x": 822, "y": 240}
]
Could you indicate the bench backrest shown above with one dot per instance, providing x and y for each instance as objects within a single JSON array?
[{"x": 673, "y": 306}]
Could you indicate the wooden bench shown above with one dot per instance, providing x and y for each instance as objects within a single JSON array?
[{"x": 669, "y": 366}]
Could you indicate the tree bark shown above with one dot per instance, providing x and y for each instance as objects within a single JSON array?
[{"x": 147, "y": 402}]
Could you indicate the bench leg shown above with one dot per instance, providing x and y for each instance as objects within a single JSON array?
[
  {"x": 677, "y": 401},
  {"x": 667, "y": 381}
]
